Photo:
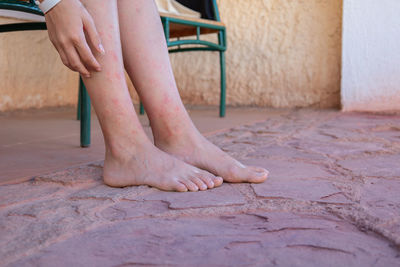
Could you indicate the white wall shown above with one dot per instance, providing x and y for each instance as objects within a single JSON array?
[{"x": 371, "y": 55}]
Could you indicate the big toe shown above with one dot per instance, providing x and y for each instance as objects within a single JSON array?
[
  {"x": 218, "y": 181},
  {"x": 257, "y": 174},
  {"x": 247, "y": 174},
  {"x": 180, "y": 187}
]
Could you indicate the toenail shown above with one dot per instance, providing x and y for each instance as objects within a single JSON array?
[
  {"x": 262, "y": 173},
  {"x": 219, "y": 179}
]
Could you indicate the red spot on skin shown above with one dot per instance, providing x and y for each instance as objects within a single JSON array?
[
  {"x": 166, "y": 99},
  {"x": 117, "y": 76},
  {"x": 115, "y": 101},
  {"x": 108, "y": 76},
  {"x": 114, "y": 56}
]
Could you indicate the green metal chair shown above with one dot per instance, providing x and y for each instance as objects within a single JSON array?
[{"x": 175, "y": 27}]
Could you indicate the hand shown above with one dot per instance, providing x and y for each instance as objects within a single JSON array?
[{"x": 67, "y": 23}]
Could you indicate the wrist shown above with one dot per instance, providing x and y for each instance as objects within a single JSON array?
[{"x": 47, "y": 5}]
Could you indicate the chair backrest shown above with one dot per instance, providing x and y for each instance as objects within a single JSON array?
[
  {"x": 207, "y": 8},
  {"x": 27, "y": 6}
]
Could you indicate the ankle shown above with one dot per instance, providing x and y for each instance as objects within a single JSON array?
[
  {"x": 122, "y": 150},
  {"x": 169, "y": 129},
  {"x": 186, "y": 139}
]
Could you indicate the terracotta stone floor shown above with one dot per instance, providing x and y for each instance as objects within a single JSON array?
[
  {"x": 332, "y": 198},
  {"x": 39, "y": 141}
]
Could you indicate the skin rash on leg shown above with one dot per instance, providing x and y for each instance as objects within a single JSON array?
[
  {"x": 147, "y": 63},
  {"x": 131, "y": 158}
]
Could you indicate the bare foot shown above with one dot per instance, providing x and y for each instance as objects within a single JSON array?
[
  {"x": 198, "y": 151},
  {"x": 148, "y": 165}
]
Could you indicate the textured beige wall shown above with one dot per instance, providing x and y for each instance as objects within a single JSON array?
[
  {"x": 282, "y": 53},
  {"x": 32, "y": 75}
]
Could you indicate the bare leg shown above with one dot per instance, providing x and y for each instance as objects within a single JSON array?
[
  {"x": 131, "y": 159},
  {"x": 147, "y": 63}
]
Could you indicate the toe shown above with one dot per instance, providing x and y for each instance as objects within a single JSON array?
[
  {"x": 191, "y": 186},
  {"x": 248, "y": 174},
  {"x": 218, "y": 181},
  {"x": 202, "y": 186},
  {"x": 257, "y": 174},
  {"x": 180, "y": 187},
  {"x": 208, "y": 179},
  {"x": 259, "y": 169}
]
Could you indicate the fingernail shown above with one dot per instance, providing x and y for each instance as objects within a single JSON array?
[
  {"x": 101, "y": 48},
  {"x": 87, "y": 75},
  {"x": 98, "y": 69}
]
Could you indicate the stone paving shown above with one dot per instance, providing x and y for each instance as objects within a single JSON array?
[{"x": 332, "y": 199}]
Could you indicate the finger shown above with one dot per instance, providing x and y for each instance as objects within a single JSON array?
[
  {"x": 92, "y": 33},
  {"x": 63, "y": 56},
  {"x": 87, "y": 56},
  {"x": 75, "y": 62},
  {"x": 60, "y": 51}
]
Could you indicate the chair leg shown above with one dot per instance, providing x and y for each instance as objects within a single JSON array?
[
  {"x": 141, "y": 108},
  {"x": 222, "y": 109},
  {"x": 85, "y": 114},
  {"x": 78, "y": 110}
]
